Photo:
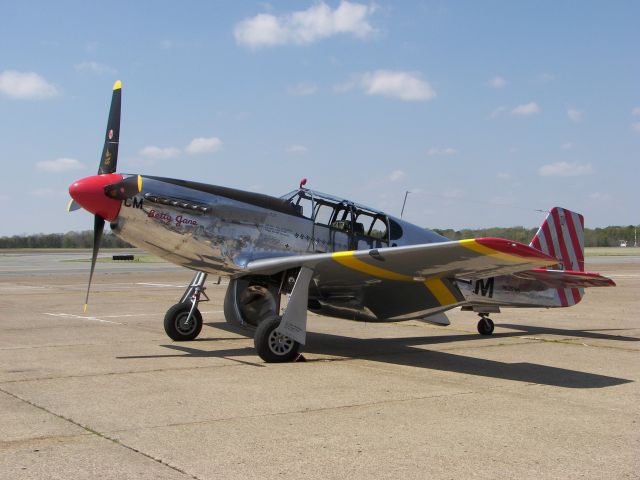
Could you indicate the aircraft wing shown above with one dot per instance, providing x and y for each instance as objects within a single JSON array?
[
  {"x": 469, "y": 259},
  {"x": 566, "y": 278},
  {"x": 397, "y": 283}
]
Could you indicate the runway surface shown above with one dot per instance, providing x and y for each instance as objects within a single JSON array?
[
  {"x": 552, "y": 394},
  {"x": 41, "y": 263}
]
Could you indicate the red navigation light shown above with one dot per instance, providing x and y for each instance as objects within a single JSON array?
[{"x": 303, "y": 182}]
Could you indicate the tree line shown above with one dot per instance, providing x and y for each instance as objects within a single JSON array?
[
  {"x": 594, "y": 237},
  {"x": 61, "y": 240}
]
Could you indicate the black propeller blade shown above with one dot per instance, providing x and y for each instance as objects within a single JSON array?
[
  {"x": 108, "y": 163},
  {"x": 126, "y": 188},
  {"x": 109, "y": 159},
  {"x": 98, "y": 228}
]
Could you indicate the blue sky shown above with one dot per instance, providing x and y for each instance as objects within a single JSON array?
[{"x": 485, "y": 111}]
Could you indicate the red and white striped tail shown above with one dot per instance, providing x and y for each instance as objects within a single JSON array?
[{"x": 561, "y": 235}]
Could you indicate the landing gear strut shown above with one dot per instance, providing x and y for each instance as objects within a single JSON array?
[
  {"x": 485, "y": 324},
  {"x": 183, "y": 320}
]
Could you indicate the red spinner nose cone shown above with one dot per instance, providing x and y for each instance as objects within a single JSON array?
[{"x": 89, "y": 194}]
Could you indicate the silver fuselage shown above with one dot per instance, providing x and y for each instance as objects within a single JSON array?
[{"x": 220, "y": 234}]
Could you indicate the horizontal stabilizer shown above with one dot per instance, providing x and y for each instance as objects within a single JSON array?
[{"x": 566, "y": 278}]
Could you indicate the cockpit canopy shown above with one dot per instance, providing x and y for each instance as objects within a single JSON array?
[{"x": 344, "y": 215}]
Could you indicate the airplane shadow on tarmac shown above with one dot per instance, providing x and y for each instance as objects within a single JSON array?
[{"x": 403, "y": 351}]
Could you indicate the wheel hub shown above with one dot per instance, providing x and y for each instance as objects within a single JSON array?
[
  {"x": 280, "y": 344},
  {"x": 184, "y": 324}
]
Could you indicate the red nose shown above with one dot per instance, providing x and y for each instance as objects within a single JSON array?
[{"x": 89, "y": 193}]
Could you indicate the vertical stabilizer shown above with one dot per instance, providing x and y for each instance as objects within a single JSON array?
[{"x": 561, "y": 235}]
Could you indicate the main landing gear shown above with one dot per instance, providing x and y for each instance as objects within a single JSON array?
[
  {"x": 277, "y": 338},
  {"x": 485, "y": 325},
  {"x": 183, "y": 321},
  {"x": 271, "y": 345}
]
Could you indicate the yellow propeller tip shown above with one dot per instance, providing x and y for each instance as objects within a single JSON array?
[
  {"x": 86, "y": 306},
  {"x": 117, "y": 85},
  {"x": 139, "y": 183}
]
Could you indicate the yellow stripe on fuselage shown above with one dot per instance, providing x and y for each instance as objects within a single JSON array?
[
  {"x": 478, "y": 248},
  {"x": 348, "y": 260},
  {"x": 440, "y": 291}
]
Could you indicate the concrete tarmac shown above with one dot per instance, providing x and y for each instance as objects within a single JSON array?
[{"x": 552, "y": 394}]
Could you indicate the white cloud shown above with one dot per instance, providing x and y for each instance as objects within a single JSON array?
[
  {"x": 565, "y": 169},
  {"x": 635, "y": 127},
  {"x": 59, "y": 165},
  {"x": 497, "y": 82},
  {"x": 25, "y": 86},
  {"x": 575, "y": 115},
  {"x": 396, "y": 175},
  {"x": 305, "y": 26},
  {"x": 297, "y": 149},
  {"x": 636, "y": 112},
  {"x": 447, "y": 151},
  {"x": 94, "y": 67},
  {"x": 406, "y": 86},
  {"x": 302, "y": 89},
  {"x": 203, "y": 145},
  {"x": 152, "y": 151},
  {"x": 530, "y": 108},
  {"x": 504, "y": 176},
  {"x": 567, "y": 146}
]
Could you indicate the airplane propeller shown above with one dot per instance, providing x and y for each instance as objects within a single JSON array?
[
  {"x": 108, "y": 164},
  {"x": 102, "y": 194},
  {"x": 98, "y": 229}
]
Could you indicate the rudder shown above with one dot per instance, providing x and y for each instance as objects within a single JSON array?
[{"x": 561, "y": 235}]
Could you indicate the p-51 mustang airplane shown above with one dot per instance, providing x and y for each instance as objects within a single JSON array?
[{"x": 332, "y": 256}]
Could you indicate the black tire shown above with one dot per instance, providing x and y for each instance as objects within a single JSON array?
[
  {"x": 246, "y": 304},
  {"x": 273, "y": 347},
  {"x": 485, "y": 326},
  {"x": 174, "y": 322}
]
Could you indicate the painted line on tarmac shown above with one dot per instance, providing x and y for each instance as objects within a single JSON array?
[
  {"x": 10, "y": 288},
  {"x": 80, "y": 317},
  {"x": 122, "y": 315}
]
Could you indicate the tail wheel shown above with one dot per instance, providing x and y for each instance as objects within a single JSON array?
[
  {"x": 179, "y": 326},
  {"x": 485, "y": 326},
  {"x": 272, "y": 346}
]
